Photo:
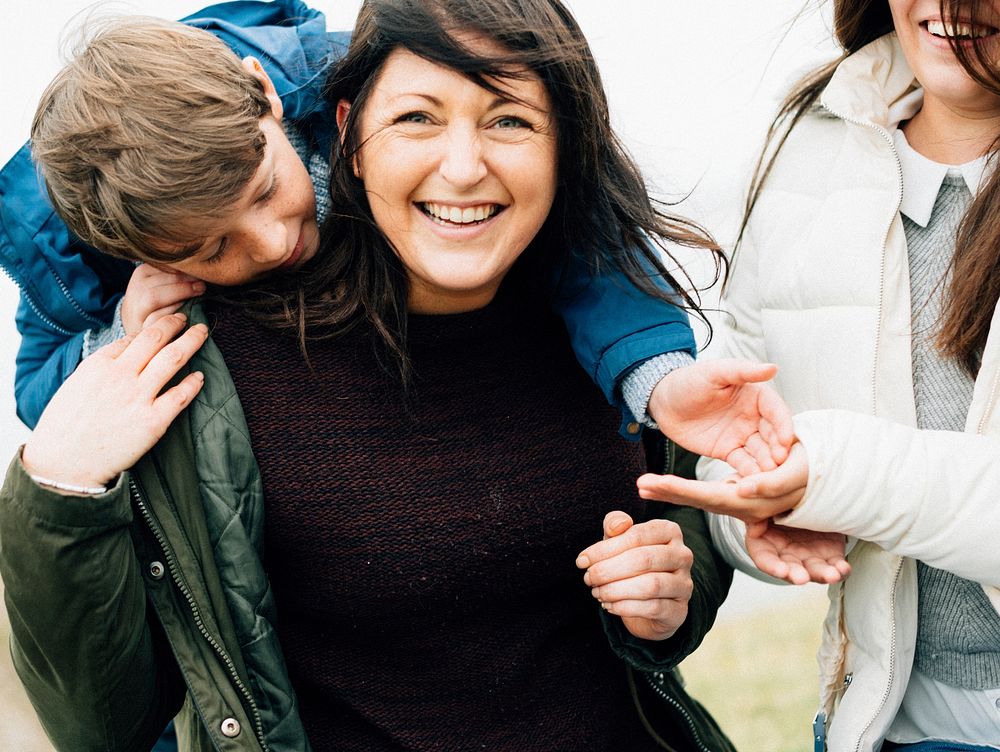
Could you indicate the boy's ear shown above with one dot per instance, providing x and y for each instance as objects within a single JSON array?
[
  {"x": 252, "y": 66},
  {"x": 343, "y": 110}
]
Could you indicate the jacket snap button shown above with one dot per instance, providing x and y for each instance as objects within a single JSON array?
[
  {"x": 633, "y": 428},
  {"x": 230, "y": 727},
  {"x": 156, "y": 570}
]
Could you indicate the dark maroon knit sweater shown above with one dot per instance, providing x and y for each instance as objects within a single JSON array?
[{"x": 423, "y": 564}]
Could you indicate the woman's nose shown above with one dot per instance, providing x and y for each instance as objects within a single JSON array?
[{"x": 462, "y": 163}]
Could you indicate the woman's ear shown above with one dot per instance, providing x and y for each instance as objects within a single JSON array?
[
  {"x": 343, "y": 110},
  {"x": 252, "y": 66}
]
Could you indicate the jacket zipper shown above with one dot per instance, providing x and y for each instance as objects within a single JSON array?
[
  {"x": 34, "y": 307},
  {"x": 884, "y": 134},
  {"x": 183, "y": 588},
  {"x": 989, "y": 403},
  {"x": 655, "y": 682},
  {"x": 892, "y": 654},
  {"x": 885, "y": 238}
]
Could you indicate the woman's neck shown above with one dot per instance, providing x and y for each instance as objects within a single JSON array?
[{"x": 951, "y": 136}]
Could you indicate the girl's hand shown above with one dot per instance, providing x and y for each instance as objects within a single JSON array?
[
  {"x": 719, "y": 408},
  {"x": 154, "y": 293},
  {"x": 797, "y": 556},
  {"x": 754, "y": 498},
  {"x": 641, "y": 573},
  {"x": 111, "y": 411}
]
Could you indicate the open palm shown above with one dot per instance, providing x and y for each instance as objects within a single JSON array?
[{"x": 720, "y": 409}]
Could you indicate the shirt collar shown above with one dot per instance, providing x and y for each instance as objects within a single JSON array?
[{"x": 922, "y": 177}]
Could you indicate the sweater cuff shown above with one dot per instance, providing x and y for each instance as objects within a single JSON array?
[
  {"x": 95, "y": 339},
  {"x": 638, "y": 385}
]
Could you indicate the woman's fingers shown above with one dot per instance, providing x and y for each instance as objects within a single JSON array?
[
  {"x": 653, "y": 532},
  {"x": 647, "y": 586},
  {"x": 165, "y": 363},
  {"x": 169, "y": 405},
  {"x": 637, "y": 561},
  {"x": 148, "y": 342}
]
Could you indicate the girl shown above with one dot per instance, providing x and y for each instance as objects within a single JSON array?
[{"x": 870, "y": 273}]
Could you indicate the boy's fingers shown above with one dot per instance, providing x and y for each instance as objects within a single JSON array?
[
  {"x": 157, "y": 315},
  {"x": 173, "y": 292}
]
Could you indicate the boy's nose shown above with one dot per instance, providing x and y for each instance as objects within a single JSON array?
[{"x": 267, "y": 242}]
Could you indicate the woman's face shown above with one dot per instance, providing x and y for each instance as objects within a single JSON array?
[
  {"x": 459, "y": 179},
  {"x": 921, "y": 30}
]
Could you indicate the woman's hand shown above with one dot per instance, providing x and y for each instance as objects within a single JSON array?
[
  {"x": 718, "y": 408},
  {"x": 641, "y": 573},
  {"x": 110, "y": 411},
  {"x": 797, "y": 556},
  {"x": 754, "y": 498},
  {"x": 154, "y": 293}
]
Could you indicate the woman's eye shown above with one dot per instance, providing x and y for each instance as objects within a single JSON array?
[
  {"x": 413, "y": 117},
  {"x": 509, "y": 121}
]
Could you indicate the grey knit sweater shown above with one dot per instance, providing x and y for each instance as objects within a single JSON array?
[{"x": 958, "y": 632}]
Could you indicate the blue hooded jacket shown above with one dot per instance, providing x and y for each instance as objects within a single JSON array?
[{"x": 68, "y": 287}]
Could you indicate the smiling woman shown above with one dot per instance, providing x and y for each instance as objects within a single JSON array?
[{"x": 460, "y": 180}]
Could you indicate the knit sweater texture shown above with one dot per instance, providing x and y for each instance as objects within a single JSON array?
[
  {"x": 422, "y": 557},
  {"x": 958, "y": 631}
]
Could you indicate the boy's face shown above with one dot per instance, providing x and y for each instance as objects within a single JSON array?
[{"x": 270, "y": 228}]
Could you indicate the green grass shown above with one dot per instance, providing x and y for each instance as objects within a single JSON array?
[{"x": 757, "y": 675}]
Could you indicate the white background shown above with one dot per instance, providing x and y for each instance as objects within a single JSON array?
[{"x": 692, "y": 87}]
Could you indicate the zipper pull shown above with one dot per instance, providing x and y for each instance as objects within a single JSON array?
[{"x": 819, "y": 732}]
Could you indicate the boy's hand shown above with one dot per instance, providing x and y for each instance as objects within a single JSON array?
[
  {"x": 111, "y": 411},
  {"x": 154, "y": 293},
  {"x": 641, "y": 573},
  {"x": 797, "y": 556},
  {"x": 752, "y": 499},
  {"x": 719, "y": 408}
]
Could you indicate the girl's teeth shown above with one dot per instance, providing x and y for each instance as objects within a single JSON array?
[{"x": 957, "y": 29}]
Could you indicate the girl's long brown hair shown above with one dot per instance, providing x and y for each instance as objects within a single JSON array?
[
  {"x": 602, "y": 214},
  {"x": 974, "y": 286}
]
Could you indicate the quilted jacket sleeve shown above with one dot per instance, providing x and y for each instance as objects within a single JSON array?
[{"x": 929, "y": 495}]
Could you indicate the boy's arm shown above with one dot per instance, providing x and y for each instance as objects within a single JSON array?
[{"x": 614, "y": 328}]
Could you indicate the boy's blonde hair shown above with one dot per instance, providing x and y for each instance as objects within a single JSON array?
[{"x": 149, "y": 133}]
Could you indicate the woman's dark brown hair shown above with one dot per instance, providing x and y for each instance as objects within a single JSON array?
[
  {"x": 974, "y": 285},
  {"x": 602, "y": 213}
]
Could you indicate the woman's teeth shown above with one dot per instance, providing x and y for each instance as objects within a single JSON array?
[
  {"x": 444, "y": 214},
  {"x": 959, "y": 30}
]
